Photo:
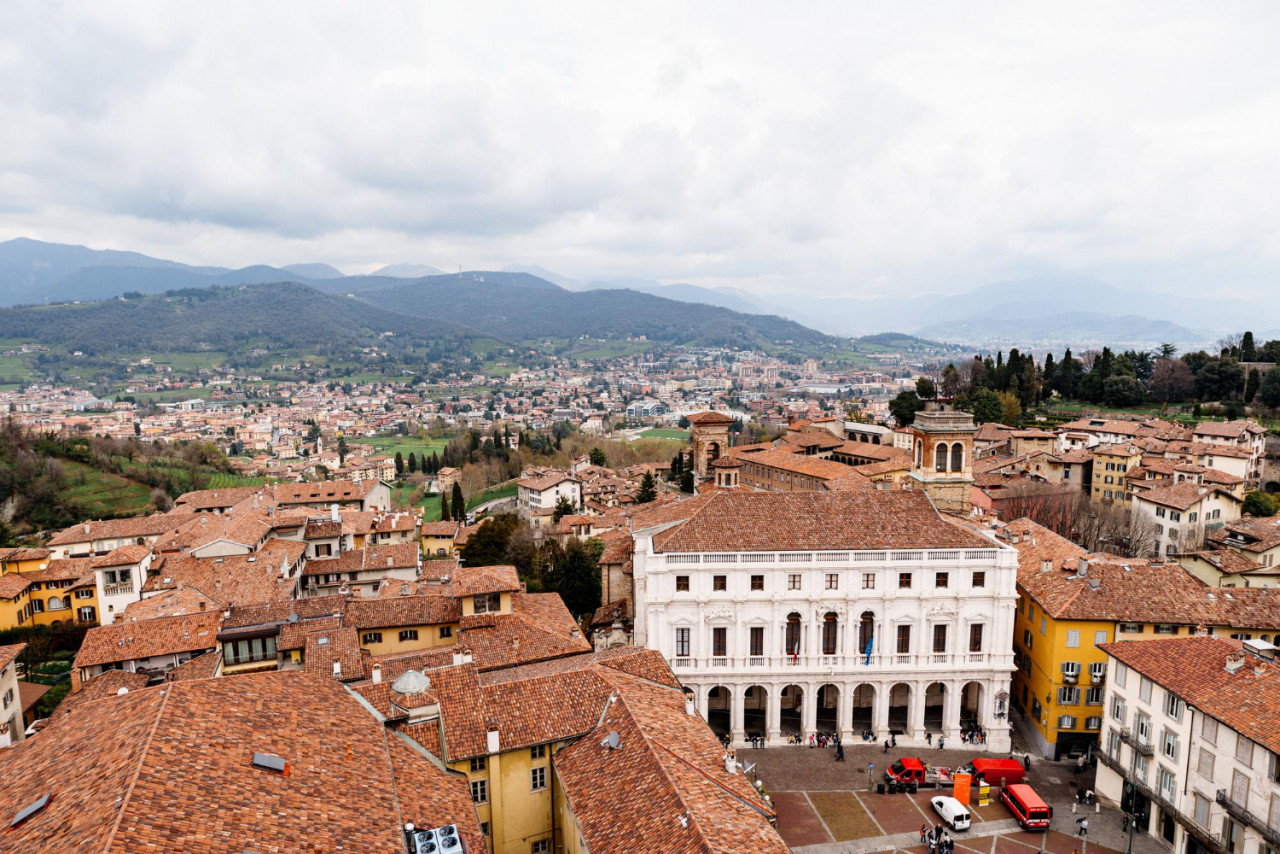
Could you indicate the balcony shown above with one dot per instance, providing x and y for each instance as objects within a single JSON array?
[
  {"x": 1208, "y": 840},
  {"x": 1143, "y": 747},
  {"x": 846, "y": 664},
  {"x": 117, "y": 589},
  {"x": 1240, "y": 813}
]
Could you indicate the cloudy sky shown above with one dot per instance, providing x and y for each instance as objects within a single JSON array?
[{"x": 854, "y": 148}]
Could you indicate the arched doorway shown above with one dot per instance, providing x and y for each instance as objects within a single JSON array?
[
  {"x": 934, "y": 702},
  {"x": 828, "y": 709},
  {"x": 790, "y": 721},
  {"x": 971, "y": 706},
  {"x": 755, "y": 706},
  {"x": 719, "y": 703},
  {"x": 866, "y": 636},
  {"x": 899, "y": 708},
  {"x": 864, "y": 704}
]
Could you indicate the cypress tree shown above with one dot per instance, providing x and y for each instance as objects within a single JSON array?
[
  {"x": 459, "y": 504},
  {"x": 444, "y": 508},
  {"x": 413, "y": 463},
  {"x": 399, "y": 464}
]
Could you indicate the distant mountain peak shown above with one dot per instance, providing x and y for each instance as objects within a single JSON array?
[{"x": 407, "y": 271}]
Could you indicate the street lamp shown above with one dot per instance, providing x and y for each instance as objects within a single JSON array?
[{"x": 1133, "y": 818}]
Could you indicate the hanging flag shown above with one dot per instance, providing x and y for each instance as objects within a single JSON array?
[{"x": 871, "y": 640}]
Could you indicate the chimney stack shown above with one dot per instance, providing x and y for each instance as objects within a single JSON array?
[
  {"x": 1235, "y": 661},
  {"x": 375, "y": 673}
]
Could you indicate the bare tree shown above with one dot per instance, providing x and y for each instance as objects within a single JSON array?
[
  {"x": 1049, "y": 505},
  {"x": 1113, "y": 528}
]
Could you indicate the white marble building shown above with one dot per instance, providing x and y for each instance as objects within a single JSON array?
[{"x": 854, "y": 612}]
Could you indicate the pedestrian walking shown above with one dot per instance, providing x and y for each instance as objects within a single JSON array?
[
  {"x": 886, "y": 745},
  {"x": 924, "y": 831},
  {"x": 941, "y": 741},
  {"x": 1084, "y": 826},
  {"x": 893, "y": 737},
  {"x": 928, "y": 738},
  {"x": 839, "y": 752},
  {"x": 1080, "y": 765},
  {"x": 1088, "y": 797}
]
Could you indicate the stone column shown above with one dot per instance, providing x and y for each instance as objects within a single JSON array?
[
  {"x": 737, "y": 728},
  {"x": 880, "y": 710},
  {"x": 915, "y": 719},
  {"x": 951, "y": 712},
  {"x": 844, "y": 714},
  {"x": 773, "y": 716},
  {"x": 809, "y": 711}
]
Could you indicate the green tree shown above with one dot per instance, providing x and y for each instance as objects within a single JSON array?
[
  {"x": 457, "y": 503},
  {"x": 648, "y": 489},
  {"x": 1248, "y": 351},
  {"x": 342, "y": 450},
  {"x": 399, "y": 464},
  {"x": 487, "y": 545},
  {"x": 1010, "y": 409},
  {"x": 445, "y": 516},
  {"x": 1270, "y": 388},
  {"x": 686, "y": 480},
  {"x": 926, "y": 389},
  {"x": 598, "y": 457},
  {"x": 1252, "y": 385},
  {"x": 985, "y": 406},
  {"x": 904, "y": 407},
  {"x": 1219, "y": 379},
  {"x": 576, "y": 577},
  {"x": 6, "y": 535},
  {"x": 564, "y": 507},
  {"x": 413, "y": 463},
  {"x": 1259, "y": 504},
  {"x": 1123, "y": 391},
  {"x": 677, "y": 466}
]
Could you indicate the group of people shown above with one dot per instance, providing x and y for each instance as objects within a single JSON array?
[{"x": 938, "y": 840}]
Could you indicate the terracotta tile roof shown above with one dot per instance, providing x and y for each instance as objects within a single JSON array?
[
  {"x": 1257, "y": 535},
  {"x": 323, "y": 530},
  {"x": 123, "y": 556},
  {"x": 170, "y": 769},
  {"x": 540, "y": 627},
  {"x": 539, "y": 484},
  {"x": 171, "y": 603},
  {"x": 23, "y": 554},
  {"x": 1228, "y": 561},
  {"x": 327, "y": 647},
  {"x": 1194, "y": 668},
  {"x": 323, "y": 492},
  {"x": 9, "y": 653},
  {"x": 200, "y": 667},
  {"x": 785, "y": 460},
  {"x": 478, "y": 580},
  {"x": 29, "y": 693},
  {"x": 62, "y": 569},
  {"x": 294, "y": 635},
  {"x": 106, "y": 684},
  {"x": 368, "y": 559},
  {"x": 275, "y": 613},
  {"x": 668, "y": 766},
  {"x": 1228, "y": 429},
  {"x": 383, "y": 612},
  {"x": 439, "y": 529},
  {"x": 865, "y": 520},
  {"x": 462, "y": 711},
  {"x": 231, "y": 580},
  {"x": 212, "y": 499},
  {"x": 711, "y": 418},
  {"x": 13, "y": 585},
  {"x": 618, "y": 611},
  {"x": 110, "y": 529},
  {"x": 1180, "y": 496},
  {"x": 146, "y": 638}
]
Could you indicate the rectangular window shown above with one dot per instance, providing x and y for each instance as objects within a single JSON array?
[
  {"x": 833, "y": 581},
  {"x": 1169, "y": 746},
  {"x": 1244, "y": 751},
  {"x": 538, "y": 778},
  {"x": 941, "y": 580},
  {"x": 868, "y": 581},
  {"x": 538, "y": 751},
  {"x": 793, "y": 581},
  {"x": 757, "y": 582},
  {"x": 975, "y": 637},
  {"x": 490, "y": 603},
  {"x": 682, "y": 643},
  {"x": 1122, "y": 674},
  {"x": 1026, "y": 638},
  {"x": 940, "y": 638},
  {"x": 1118, "y": 710},
  {"x": 719, "y": 641},
  {"x": 1209, "y": 730},
  {"x": 1144, "y": 690},
  {"x": 1069, "y": 695},
  {"x": 904, "y": 640},
  {"x": 480, "y": 791},
  {"x": 1167, "y": 784},
  {"x": 1172, "y": 705},
  {"x": 979, "y": 579},
  {"x": 904, "y": 580},
  {"x": 1044, "y": 626},
  {"x": 84, "y": 594},
  {"x": 542, "y": 846},
  {"x": 1239, "y": 788},
  {"x": 446, "y": 632},
  {"x": 371, "y": 637},
  {"x": 719, "y": 582},
  {"x": 1201, "y": 810},
  {"x": 682, "y": 584},
  {"x": 1142, "y": 726},
  {"x": 1131, "y": 628},
  {"x": 484, "y": 828},
  {"x": 1165, "y": 628},
  {"x": 1100, "y": 637},
  {"x": 1093, "y": 696},
  {"x": 408, "y": 635},
  {"x": 757, "y": 640},
  {"x": 1204, "y": 767},
  {"x": 478, "y": 763},
  {"x": 1073, "y": 638}
]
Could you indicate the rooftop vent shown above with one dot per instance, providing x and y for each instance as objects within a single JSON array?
[
  {"x": 411, "y": 682},
  {"x": 270, "y": 762}
]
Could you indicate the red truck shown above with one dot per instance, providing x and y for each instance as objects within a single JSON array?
[
  {"x": 909, "y": 769},
  {"x": 995, "y": 771}
]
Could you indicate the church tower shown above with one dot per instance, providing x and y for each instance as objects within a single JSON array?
[
  {"x": 942, "y": 455},
  {"x": 710, "y": 439}
]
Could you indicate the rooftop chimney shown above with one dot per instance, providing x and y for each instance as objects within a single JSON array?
[
  {"x": 375, "y": 673},
  {"x": 1046, "y": 565},
  {"x": 1082, "y": 567},
  {"x": 492, "y": 741},
  {"x": 1235, "y": 661}
]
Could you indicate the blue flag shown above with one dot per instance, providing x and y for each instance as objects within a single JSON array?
[{"x": 870, "y": 641}]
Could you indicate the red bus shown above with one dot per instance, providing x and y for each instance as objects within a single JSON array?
[{"x": 1027, "y": 807}]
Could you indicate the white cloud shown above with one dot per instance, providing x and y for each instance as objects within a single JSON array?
[{"x": 839, "y": 147}]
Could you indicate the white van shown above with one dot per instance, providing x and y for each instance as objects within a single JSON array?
[{"x": 952, "y": 811}]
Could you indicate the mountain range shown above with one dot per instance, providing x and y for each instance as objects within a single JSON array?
[{"x": 1046, "y": 310}]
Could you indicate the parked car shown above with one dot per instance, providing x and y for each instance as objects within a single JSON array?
[{"x": 954, "y": 813}]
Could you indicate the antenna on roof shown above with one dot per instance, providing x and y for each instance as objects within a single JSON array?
[{"x": 612, "y": 740}]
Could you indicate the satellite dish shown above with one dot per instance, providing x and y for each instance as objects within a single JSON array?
[
  {"x": 293, "y": 617},
  {"x": 612, "y": 740}
]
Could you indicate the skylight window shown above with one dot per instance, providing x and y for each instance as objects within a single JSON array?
[
  {"x": 270, "y": 762},
  {"x": 30, "y": 810}
]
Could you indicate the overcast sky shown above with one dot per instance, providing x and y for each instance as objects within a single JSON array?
[{"x": 853, "y": 148}]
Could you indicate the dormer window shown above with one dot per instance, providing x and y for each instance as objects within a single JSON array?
[{"x": 489, "y": 603}]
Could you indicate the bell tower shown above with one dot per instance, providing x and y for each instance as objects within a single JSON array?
[
  {"x": 710, "y": 439},
  {"x": 942, "y": 455}
]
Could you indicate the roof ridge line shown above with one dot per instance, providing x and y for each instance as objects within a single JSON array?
[{"x": 137, "y": 771}]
